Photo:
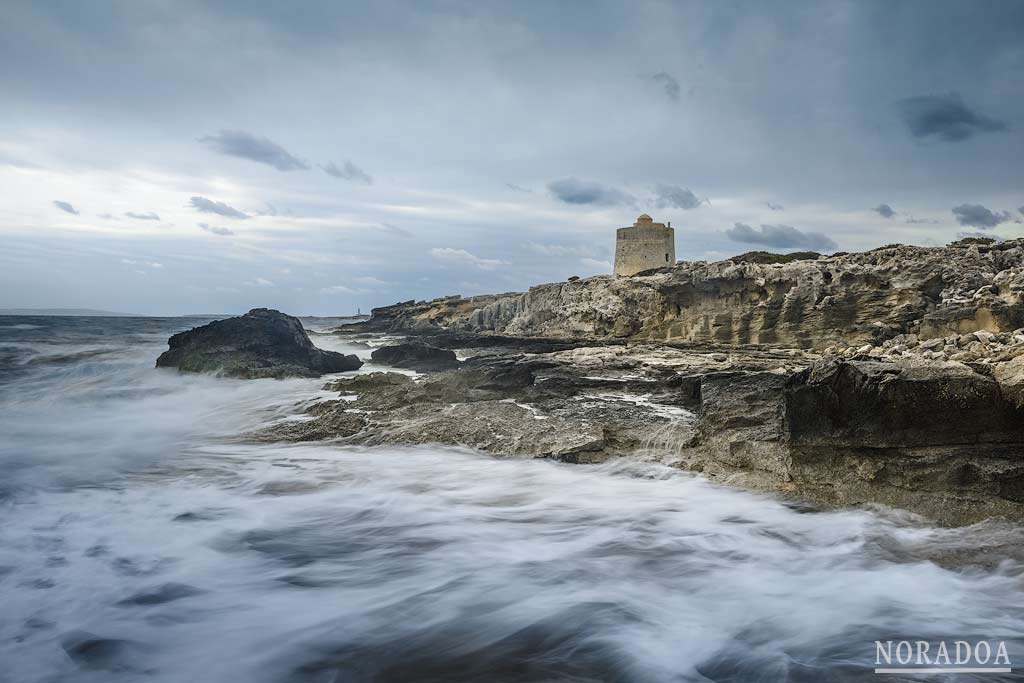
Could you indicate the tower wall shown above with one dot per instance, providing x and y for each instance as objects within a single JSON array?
[{"x": 643, "y": 247}]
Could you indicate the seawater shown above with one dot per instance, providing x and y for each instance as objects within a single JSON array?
[{"x": 143, "y": 538}]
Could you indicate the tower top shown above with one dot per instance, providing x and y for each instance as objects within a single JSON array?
[{"x": 644, "y": 219}]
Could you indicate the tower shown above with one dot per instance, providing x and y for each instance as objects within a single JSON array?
[{"x": 643, "y": 246}]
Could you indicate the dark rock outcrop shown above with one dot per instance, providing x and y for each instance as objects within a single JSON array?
[
  {"x": 261, "y": 343},
  {"x": 415, "y": 355},
  {"x": 934, "y": 437}
]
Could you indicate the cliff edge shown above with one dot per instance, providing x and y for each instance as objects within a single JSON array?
[{"x": 846, "y": 298}]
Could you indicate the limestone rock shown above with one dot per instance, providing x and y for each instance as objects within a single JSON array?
[{"x": 862, "y": 298}]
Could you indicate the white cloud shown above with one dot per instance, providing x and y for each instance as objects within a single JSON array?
[
  {"x": 135, "y": 262},
  {"x": 560, "y": 249},
  {"x": 259, "y": 282},
  {"x": 461, "y": 256},
  {"x": 342, "y": 289},
  {"x": 594, "y": 264},
  {"x": 216, "y": 229},
  {"x": 371, "y": 281}
]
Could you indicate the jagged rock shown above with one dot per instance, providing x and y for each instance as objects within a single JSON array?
[
  {"x": 852, "y": 298},
  {"x": 935, "y": 438},
  {"x": 415, "y": 355},
  {"x": 919, "y": 402},
  {"x": 261, "y": 343}
]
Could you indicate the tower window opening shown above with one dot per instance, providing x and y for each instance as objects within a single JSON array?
[{"x": 666, "y": 258}]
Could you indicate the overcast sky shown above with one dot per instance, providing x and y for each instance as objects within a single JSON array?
[{"x": 181, "y": 157}]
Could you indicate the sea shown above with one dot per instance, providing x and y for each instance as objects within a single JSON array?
[{"x": 144, "y": 536}]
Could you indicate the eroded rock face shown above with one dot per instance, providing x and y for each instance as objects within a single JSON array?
[
  {"x": 936, "y": 438},
  {"x": 261, "y": 343},
  {"x": 850, "y": 298},
  {"x": 894, "y": 376},
  {"x": 576, "y": 405}
]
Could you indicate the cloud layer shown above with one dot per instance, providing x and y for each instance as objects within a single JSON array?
[
  {"x": 978, "y": 216},
  {"x": 216, "y": 229},
  {"x": 65, "y": 207},
  {"x": 669, "y": 83},
  {"x": 946, "y": 117},
  {"x": 576, "y": 191},
  {"x": 348, "y": 171},
  {"x": 884, "y": 210},
  {"x": 204, "y": 205},
  {"x": 238, "y": 143},
  {"x": 464, "y": 258},
  {"x": 487, "y": 129},
  {"x": 781, "y": 237},
  {"x": 675, "y": 197}
]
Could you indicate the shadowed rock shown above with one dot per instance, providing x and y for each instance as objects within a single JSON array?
[
  {"x": 415, "y": 355},
  {"x": 261, "y": 343}
]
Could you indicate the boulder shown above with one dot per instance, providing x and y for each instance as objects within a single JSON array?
[
  {"x": 415, "y": 355},
  {"x": 1010, "y": 376},
  {"x": 261, "y": 343}
]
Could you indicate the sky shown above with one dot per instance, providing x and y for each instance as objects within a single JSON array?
[{"x": 209, "y": 157}]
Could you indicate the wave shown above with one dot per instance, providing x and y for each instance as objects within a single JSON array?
[{"x": 144, "y": 539}]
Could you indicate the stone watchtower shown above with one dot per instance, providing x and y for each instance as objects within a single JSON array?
[{"x": 643, "y": 246}]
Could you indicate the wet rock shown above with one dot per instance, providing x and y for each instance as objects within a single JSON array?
[
  {"x": 415, "y": 355},
  {"x": 936, "y": 438},
  {"x": 261, "y": 343}
]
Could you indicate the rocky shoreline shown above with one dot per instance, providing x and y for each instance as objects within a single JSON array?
[{"x": 892, "y": 377}]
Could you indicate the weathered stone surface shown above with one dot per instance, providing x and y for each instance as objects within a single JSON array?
[
  {"x": 1010, "y": 376},
  {"x": 415, "y": 355},
  {"x": 894, "y": 376},
  {"x": 853, "y": 299},
  {"x": 936, "y": 438},
  {"x": 514, "y": 404},
  {"x": 261, "y": 343}
]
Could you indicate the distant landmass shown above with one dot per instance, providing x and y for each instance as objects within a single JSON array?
[{"x": 68, "y": 312}]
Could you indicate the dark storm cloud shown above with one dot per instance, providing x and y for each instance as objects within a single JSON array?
[
  {"x": 781, "y": 237},
  {"x": 238, "y": 143},
  {"x": 675, "y": 197},
  {"x": 775, "y": 207},
  {"x": 978, "y": 216},
  {"x": 348, "y": 171},
  {"x": 946, "y": 117},
  {"x": 884, "y": 210},
  {"x": 64, "y": 206},
  {"x": 204, "y": 205},
  {"x": 669, "y": 83},
  {"x": 575, "y": 191},
  {"x": 148, "y": 216},
  {"x": 216, "y": 229}
]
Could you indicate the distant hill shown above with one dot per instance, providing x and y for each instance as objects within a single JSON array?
[{"x": 68, "y": 312}]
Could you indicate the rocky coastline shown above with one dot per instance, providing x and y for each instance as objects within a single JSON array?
[{"x": 892, "y": 377}]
